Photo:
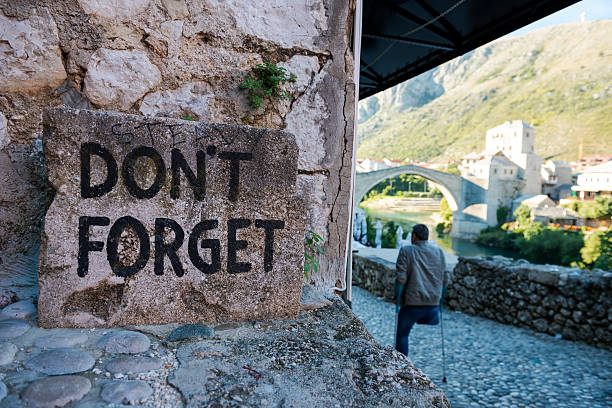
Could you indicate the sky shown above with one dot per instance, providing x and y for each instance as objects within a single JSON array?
[{"x": 593, "y": 9}]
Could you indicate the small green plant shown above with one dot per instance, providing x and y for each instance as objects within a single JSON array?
[
  {"x": 264, "y": 81},
  {"x": 312, "y": 248},
  {"x": 187, "y": 117}
]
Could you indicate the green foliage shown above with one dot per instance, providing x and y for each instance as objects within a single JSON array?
[
  {"x": 497, "y": 237},
  {"x": 597, "y": 250},
  {"x": 447, "y": 217},
  {"x": 264, "y": 82},
  {"x": 523, "y": 217},
  {"x": 600, "y": 207},
  {"x": 452, "y": 168},
  {"x": 312, "y": 248},
  {"x": 540, "y": 244},
  {"x": 389, "y": 237},
  {"x": 371, "y": 224},
  {"x": 404, "y": 185},
  {"x": 502, "y": 214},
  {"x": 187, "y": 117}
]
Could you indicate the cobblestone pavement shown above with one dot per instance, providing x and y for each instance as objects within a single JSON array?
[{"x": 489, "y": 364}]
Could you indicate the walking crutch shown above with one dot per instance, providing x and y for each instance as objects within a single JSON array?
[{"x": 442, "y": 335}]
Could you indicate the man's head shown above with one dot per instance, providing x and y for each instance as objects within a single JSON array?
[{"x": 419, "y": 233}]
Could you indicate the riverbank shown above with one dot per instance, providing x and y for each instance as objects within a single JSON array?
[
  {"x": 410, "y": 211},
  {"x": 402, "y": 204}
]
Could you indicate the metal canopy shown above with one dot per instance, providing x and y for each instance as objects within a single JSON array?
[{"x": 404, "y": 38}]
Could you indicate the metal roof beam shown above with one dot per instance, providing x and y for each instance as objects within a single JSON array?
[
  {"x": 370, "y": 77},
  {"x": 434, "y": 13},
  {"x": 399, "y": 38},
  {"x": 366, "y": 66},
  {"x": 415, "y": 19}
]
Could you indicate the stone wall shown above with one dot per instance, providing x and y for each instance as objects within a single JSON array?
[
  {"x": 551, "y": 299},
  {"x": 376, "y": 275},
  {"x": 179, "y": 58},
  {"x": 577, "y": 304}
]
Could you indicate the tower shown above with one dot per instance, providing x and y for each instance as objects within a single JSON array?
[{"x": 516, "y": 140}]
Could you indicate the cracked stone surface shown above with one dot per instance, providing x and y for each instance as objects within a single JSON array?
[
  {"x": 125, "y": 341},
  {"x": 54, "y": 392},
  {"x": 61, "y": 339},
  {"x": 323, "y": 358},
  {"x": 19, "y": 310},
  {"x": 3, "y": 391},
  {"x": 7, "y": 353},
  {"x": 11, "y": 328},
  {"x": 61, "y": 361},
  {"x": 126, "y": 391},
  {"x": 191, "y": 332},
  {"x": 31, "y": 57},
  {"x": 118, "y": 78},
  {"x": 137, "y": 364}
]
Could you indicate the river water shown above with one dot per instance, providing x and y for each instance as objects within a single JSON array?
[{"x": 412, "y": 215}]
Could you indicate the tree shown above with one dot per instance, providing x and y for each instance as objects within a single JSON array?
[
  {"x": 522, "y": 216},
  {"x": 502, "y": 214},
  {"x": 597, "y": 250},
  {"x": 540, "y": 244},
  {"x": 389, "y": 237}
]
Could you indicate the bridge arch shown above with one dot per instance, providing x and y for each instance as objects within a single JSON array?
[{"x": 449, "y": 184}]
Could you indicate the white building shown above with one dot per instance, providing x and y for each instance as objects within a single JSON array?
[
  {"x": 594, "y": 181},
  {"x": 516, "y": 140}
]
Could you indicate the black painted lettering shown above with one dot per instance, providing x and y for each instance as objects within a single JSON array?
[
  {"x": 174, "y": 134},
  {"x": 234, "y": 179},
  {"x": 269, "y": 226},
  {"x": 213, "y": 244},
  {"x": 148, "y": 125},
  {"x": 234, "y": 245},
  {"x": 85, "y": 245},
  {"x": 127, "y": 172},
  {"x": 198, "y": 184},
  {"x": 87, "y": 190},
  {"x": 112, "y": 246},
  {"x": 122, "y": 135},
  {"x": 162, "y": 249}
]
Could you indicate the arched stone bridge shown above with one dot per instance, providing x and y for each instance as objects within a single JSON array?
[{"x": 467, "y": 200}]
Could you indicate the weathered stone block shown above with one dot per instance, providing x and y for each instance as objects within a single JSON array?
[
  {"x": 118, "y": 78},
  {"x": 163, "y": 220},
  {"x": 30, "y": 53}
]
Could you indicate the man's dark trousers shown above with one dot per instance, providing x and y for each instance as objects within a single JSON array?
[{"x": 407, "y": 317}]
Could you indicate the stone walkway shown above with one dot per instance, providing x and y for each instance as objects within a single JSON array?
[
  {"x": 323, "y": 358},
  {"x": 489, "y": 364}
]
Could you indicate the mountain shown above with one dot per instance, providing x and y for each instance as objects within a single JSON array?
[{"x": 557, "y": 79}]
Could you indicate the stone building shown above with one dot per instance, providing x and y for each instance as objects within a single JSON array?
[
  {"x": 556, "y": 179},
  {"x": 516, "y": 140}
]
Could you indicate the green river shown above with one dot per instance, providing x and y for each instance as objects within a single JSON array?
[{"x": 411, "y": 216}]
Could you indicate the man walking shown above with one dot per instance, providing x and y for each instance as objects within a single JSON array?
[{"x": 421, "y": 274}]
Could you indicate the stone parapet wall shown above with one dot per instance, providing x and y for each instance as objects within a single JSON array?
[
  {"x": 375, "y": 275},
  {"x": 575, "y": 303},
  {"x": 550, "y": 299}
]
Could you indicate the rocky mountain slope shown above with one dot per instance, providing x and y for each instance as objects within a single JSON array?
[{"x": 557, "y": 79}]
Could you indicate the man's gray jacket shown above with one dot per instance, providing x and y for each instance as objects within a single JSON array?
[{"x": 421, "y": 269}]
